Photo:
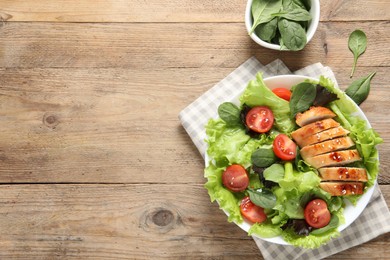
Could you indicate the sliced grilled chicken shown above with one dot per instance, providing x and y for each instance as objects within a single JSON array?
[
  {"x": 302, "y": 133},
  {"x": 313, "y": 114},
  {"x": 332, "y": 145},
  {"x": 334, "y": 158},
  {"x": 342, "y": 188},
  {"x": 343, "y": 174},
  {"x": 329, "y": 134}
]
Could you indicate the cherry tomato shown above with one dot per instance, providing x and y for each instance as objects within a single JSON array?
[
  {"x": 282, "y": 93},
  {"x": 317, "y": 214},
  {"x": 252, "y": 212},
  {"x": 260, "y": 119},
  {"x": 235, "y": 178},
  {"x": 284, "y": 147}
]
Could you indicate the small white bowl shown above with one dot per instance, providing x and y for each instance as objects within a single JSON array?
[{"x": 313, "y": 24}]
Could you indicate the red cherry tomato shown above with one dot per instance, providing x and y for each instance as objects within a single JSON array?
[
  {"x": 252, "y": 212},
  {"x": 317, "y": 214},
  {"x": 235, "y": 178},
  {"x": 260, "y": 119},
  {"x": 282, "y": 93},
  {"x": 284, "y": 147}
]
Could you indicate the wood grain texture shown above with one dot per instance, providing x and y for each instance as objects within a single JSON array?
[
  {"x": 94, "y": 163},
  {"x": 171, "y": 11},
  {"x": 151, "y": 46},
  {"x": 118, "y": 125},
  {"x": 73, "y": 224}
]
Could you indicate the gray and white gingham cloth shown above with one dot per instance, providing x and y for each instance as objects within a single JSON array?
[{"x": 375, "y": 219}]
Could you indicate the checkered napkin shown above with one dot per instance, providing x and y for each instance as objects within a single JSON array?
[{"x": 375, "y": 219}]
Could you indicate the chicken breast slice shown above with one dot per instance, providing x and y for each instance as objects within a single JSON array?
[
  {"x": 302, "y": 133},
  {"x": 343, "y": 188},
  {"x": 334, "y": 158},
  {"x": 329, "y": 134},
  {"x": 313, "y": 114},
  {"x": 343, "y": 174},
  {"x": 336, "y": 144}
]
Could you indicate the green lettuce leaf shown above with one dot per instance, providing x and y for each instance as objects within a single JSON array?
[
  {"x": 265, "y": 230},
  {"x": 258, "y": 94},
  {"x": 227, "y": 200}
]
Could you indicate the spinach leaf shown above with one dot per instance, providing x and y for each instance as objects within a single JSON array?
[
  {"x": 263, "y": 157},
  {"x": 294, "y": 4},
  {"x": 323, "y": 96},
  {"x": 306, "y": 3},
  {"x": 297, "y": 14},
  {"x": 359, "y": 89},
  {"x": 263, "y": 198},
  {"x": 302, "y": 97},
  {"x": 262, "y": 10},
  {"x": 274, "y": 173},
  {"x": 334, "y": 223},
  {"x": 293, "y": 34},
  {"x": 229, "y": 113},
  {"x": 357, "y": 43},
  {"x": 267, "y": 31}
]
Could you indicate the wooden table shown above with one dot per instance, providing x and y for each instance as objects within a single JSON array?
[{"x": 94, "y": 161}]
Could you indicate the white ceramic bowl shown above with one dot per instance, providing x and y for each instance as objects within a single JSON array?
[
  {"x": 351, "y": 213},
  {"x": 313, "y": 24}
]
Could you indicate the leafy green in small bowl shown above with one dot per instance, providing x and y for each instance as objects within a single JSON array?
[{"x": 282, "y": 24}]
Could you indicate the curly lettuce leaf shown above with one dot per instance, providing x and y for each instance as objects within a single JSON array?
[
  {"x": 258, "y": 94},
  {"x": 265, "y": 230},
  {"x": 227, "y": 201},
  {"x": 226, "y": 146}
]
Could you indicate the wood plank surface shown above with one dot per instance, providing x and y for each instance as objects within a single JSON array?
[
  {"x": 94, "y": 163},
  {"x": 171, "y": 11},
  {"x": 73, "y": 224},
  {"x": 151, "y": 46},
  {"x": 91, "y": 125}
]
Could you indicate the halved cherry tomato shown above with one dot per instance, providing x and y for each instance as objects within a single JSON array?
[
  {"x": 282, "y": 93},
  {"x": 235, "y": 178},
  {"x": 252, "y": 212},
  {"x": 317, "y": 214},
  {"x": 260, "y": 119},
  {"x": 284, "y": 147}
]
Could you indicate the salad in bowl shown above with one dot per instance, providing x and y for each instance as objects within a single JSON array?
[{"x": 291, "y": 160}]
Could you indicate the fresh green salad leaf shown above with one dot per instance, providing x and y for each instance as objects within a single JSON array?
[
  {"x": 263, "y": 157},
  {"x": 297, "y": 15},
  {"x": 282, "y": 22},
  {"x": 265, "y": 230},
  {"x": 267, "y": 31},
  {"x": 357, "y": 43},
  {"x": 333, "y": 224},
  {"x": 310, "y": 241},
  {"x": 323, "y": 96},
  {"x": 293, "y": 34},
  {"x": 227, "y": 201},
  {"x": 302, "y": 98},
  {"x": 274, "y": 173},
  {"x": 258, "y": 94},
  {"x": 359, "y": 89},
  {"x": 262, "y": 197},
  {"x": 262, "y": 11},
  {"x": 229, "y": 113}
]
